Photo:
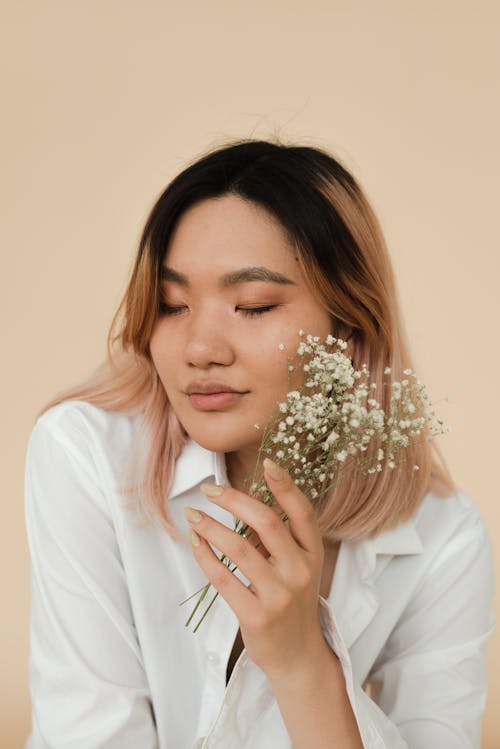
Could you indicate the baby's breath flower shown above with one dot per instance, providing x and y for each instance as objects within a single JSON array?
[{"x": 334, "y": 416}]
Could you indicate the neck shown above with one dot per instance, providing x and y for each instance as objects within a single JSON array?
[{"x": 238, "y": 466}]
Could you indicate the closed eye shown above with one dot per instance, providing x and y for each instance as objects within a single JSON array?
[
  {"x": 257, "y": 310},
  {"x": 165, "y": 309}
]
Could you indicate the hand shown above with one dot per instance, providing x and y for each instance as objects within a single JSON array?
[{"x": 279, "y": 611}]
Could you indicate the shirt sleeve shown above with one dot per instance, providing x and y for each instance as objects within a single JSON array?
[
  {"x": 430, "y": 681},
  {"x": 87, "y": 681}
]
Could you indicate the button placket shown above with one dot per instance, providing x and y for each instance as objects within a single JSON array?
[{"x": 222, "y": 627}]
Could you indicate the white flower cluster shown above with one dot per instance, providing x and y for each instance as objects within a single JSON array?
[
  {"x": 335, "y": 416},
  {"x": 334, "y": 424}
]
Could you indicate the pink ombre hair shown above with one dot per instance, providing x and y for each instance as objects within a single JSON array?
[{"x": 345, "y": 261}]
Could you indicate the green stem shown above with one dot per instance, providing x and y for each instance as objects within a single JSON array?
[
  {"x": 198, "y": 603},
  {"x": 192, "y": 595},
  {"x": 206, "y": 611}
]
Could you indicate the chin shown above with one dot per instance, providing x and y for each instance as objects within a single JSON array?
[{"x": 220, "y": 437}]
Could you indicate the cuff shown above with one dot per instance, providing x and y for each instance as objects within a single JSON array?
[{"x": 375, "y": 728}]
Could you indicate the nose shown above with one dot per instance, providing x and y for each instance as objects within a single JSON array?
[{"x": 208, "y": 341}]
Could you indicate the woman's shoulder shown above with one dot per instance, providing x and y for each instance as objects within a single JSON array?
[
  {"x": 76, "y": 412},
  {"x": 452, "y": 521},
  {"x": 72, "y": 416},
  {"x": 89, "y": 433}
]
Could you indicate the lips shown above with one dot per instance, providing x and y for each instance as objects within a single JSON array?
[
  {"x": 213, "y": 395},
  {"x": 215, "y": 401},
  {"x": 207, "y": 387}
]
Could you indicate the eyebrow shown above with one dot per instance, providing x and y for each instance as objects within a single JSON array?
[{"x": 252, "y": 273}]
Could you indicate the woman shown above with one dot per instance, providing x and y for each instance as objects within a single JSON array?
[{"x": 363, "y": 621}]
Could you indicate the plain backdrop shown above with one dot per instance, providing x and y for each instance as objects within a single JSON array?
[{"x": 105, "y": 101}]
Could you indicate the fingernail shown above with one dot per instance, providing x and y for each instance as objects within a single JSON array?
[
  {"x": 273, "y": 470},
  {"x": 213, "y": 490},
  {"x": 192, "y": 515},
  {"x": 195, "y": 539}
]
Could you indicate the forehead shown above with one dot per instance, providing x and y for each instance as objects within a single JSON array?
[{"x": 228, "y": 233}]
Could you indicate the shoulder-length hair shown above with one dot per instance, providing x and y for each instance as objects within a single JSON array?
[{"x": 345, "y": 261}]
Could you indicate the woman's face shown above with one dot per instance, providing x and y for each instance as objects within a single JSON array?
[{"x": 212, "y": 333}]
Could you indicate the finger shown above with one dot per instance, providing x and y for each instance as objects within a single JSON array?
[
  {"x": 238, "y": 549},
  {"x": 301, "y": 516},
  {"x": 270, "y": 528},
  {"x": 251, "y": 533},
  {"x": 240, "y": 598},
  {"x": 253, "y": 539},
  {"x": 262, "y": 583}
]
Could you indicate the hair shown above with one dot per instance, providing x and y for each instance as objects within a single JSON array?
[{"x": 345, "y": 262}]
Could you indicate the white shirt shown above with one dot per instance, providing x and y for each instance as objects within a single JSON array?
[{"x": 112, "y": 665}]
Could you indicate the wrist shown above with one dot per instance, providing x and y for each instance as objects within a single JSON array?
[{"x": 308, "y": 669}]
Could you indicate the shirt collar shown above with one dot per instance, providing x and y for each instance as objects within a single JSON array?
[
  {"x": 195, "y": 464},
  {"x": 373, "y": 554},
  {"x": 403, "y": 539}
]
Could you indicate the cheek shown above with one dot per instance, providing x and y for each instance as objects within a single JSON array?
[
  {"x": 162, "y": 355},
  {"x": 155, "y": 342},
  {"x": 271, "y": 379}
]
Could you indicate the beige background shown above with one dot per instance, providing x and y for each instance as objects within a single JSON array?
[{"x": 103, "y": 103}]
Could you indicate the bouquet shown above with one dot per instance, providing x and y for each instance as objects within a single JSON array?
[{"x": 333, "y": 428}]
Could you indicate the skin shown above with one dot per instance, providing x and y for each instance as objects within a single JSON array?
[
  {"x": 279, "y": 612},
  {"x": 211, "y": 338}
]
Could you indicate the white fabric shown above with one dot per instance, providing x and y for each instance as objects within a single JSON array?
[{"x": 113, "y": 666}]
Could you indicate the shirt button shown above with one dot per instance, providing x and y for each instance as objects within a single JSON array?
[{"x": 213, "y": 657}]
